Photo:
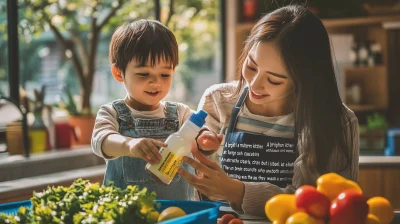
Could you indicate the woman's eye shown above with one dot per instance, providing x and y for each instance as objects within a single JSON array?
[
  {"x": 143, "y": 74},
  {"x": 165, "y": 75},
  {"x": 274, "y": 83},
  {"x": 253, "y": 69}
]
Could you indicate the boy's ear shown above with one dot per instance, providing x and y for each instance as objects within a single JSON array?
[{"x": 117, "y": 74}]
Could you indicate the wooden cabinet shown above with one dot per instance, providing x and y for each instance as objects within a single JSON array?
[
  {"x": 371, "y": 181},
  {"x": 371, "y": 80},
  {"x": 381, "y": 180},
  {"x": 374, "y": 88},
  {"x": 391, "y": 185}
]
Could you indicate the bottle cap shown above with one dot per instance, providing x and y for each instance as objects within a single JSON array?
[{"x": 198, "y": 118}]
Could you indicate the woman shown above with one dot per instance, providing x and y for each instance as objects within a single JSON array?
[{"x": 283, "y": 120}]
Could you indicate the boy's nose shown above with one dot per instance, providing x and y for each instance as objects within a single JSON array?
[
  {"x": 155, "y": 81},
  {"x": 155, "y": 85}
]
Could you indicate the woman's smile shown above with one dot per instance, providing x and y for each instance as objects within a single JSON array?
[{"x": 257, "y": 96}]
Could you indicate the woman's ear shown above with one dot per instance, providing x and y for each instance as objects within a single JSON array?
[{"x": 117, "y": 74}]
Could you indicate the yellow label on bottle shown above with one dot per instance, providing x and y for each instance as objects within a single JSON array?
[{"x": 170, "y": 164}]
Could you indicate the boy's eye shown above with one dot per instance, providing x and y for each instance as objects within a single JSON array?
[
  {"x": 165, "y": 75},
  {"x": 143, "y": 74},
  {"x": 251, "y": 68},
  {"x": 273, "y": 83}
]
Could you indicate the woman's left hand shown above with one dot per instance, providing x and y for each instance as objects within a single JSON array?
[{"x": 212, "y": 181}]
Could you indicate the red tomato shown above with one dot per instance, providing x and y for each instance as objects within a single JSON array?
[
  {"x": 350, "y": 207},
  {"x": 236, "y": 221},
  {"x": 225, "y": 219},
  {"x": 313, "y": 202}
]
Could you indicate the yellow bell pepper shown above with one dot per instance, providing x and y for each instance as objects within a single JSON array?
[
  {"x": 382, "y": 209},
  {"x": 332, "y": 184},
  {"x": 280, "y": 207},
  {"x": 303, "y": 218}
]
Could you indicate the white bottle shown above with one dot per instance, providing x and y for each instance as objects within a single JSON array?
[{"x": 179, "y": 145}]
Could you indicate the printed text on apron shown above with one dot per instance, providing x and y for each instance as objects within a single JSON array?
[{"x": 257, "y": 157}]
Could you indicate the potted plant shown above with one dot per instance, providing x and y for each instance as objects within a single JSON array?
[
  {"x": 81, "y": 124},
  {"x": 372, "y": 135}
]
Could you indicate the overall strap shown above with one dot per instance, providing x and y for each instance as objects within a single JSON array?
[
  {"x": 236, "y": 110},
  {"x": 171, "y": 110},
  {"x": 121, "y": 108}
]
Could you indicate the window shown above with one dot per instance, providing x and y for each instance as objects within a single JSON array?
[
  {"x": 3, "y": 50},
  {"x": 44, "y": 60},
  {"x": 53, "y": 56}
]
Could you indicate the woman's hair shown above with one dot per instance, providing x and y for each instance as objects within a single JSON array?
[
  {"x": 320, "y": 117},
  {"x": 143, "y": 40}
]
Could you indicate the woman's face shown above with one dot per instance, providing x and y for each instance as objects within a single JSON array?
[{"x": 265, "y": 74}]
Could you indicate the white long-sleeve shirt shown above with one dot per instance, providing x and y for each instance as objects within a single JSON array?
[{"x": 107, "y": 122}]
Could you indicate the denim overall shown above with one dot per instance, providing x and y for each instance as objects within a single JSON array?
[
  {"x": 125, "y": 171},
  {"x": 256, "y": 157}
]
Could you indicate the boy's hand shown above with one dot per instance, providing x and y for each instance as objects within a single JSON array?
[
  {"x": 146, "y": 149},
  {"x": 208, "y": 141}
]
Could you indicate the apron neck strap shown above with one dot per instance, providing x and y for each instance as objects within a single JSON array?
[{"x": 236, "y": 110}]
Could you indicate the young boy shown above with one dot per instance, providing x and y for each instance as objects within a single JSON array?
[{"x": 128, "y": 132}]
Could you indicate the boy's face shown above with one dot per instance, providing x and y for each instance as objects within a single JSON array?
[{"x": 146, "y": 85}]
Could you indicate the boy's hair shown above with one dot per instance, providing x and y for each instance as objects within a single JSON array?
[{"x": 143, "y": 40}]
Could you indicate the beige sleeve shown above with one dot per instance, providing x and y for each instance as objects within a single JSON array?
[
  {"x": 208, "y": 103},
  {"x": 184, "y": 113},
  {"x": 106, "y": 123}
]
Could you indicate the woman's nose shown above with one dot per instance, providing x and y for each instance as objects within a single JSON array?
[{"x": 257, "y": 82}]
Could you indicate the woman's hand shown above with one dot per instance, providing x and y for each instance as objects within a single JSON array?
[
  {"x": 208, "y": 141},
  {"x": 212, "y": 181}
]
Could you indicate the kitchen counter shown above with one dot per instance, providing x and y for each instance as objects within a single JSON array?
[
  {"x": 85, "y": 150},
  {"x": 23, "y": 175},
  {"x": 16, "y": 167},
  {"x": 21, "y": 189},
  {"x": 379, "y": 160},
  {"x": 255, "y": 222}
]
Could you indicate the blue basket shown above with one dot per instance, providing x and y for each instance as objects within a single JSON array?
[
  {"x": 198, "y": 212},
  {"x": 12, "y": 207}
]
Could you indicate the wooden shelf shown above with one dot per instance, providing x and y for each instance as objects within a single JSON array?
[
  {"x": 364, "y": 107},
  {"x": 371, "y": 20},
  {"x": 373, "y": 83},
  {"x": 342, "y": 22},
  {"x": 366, "y": 68},
  {"x": 363, "y": 70}
]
